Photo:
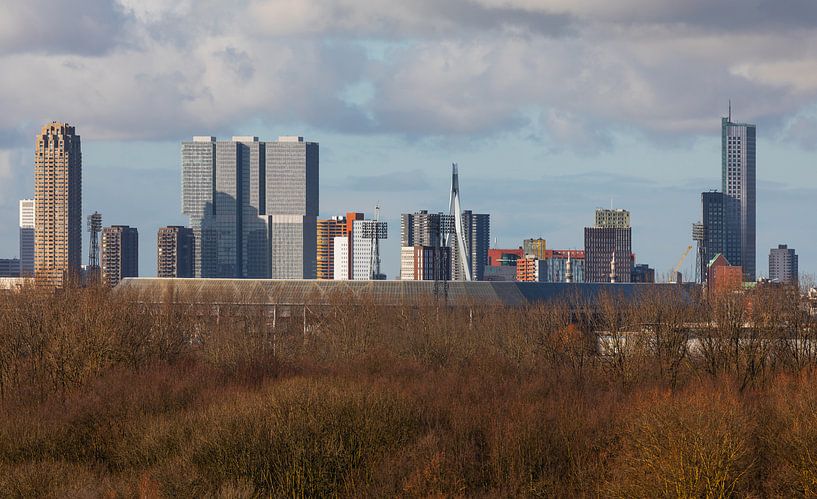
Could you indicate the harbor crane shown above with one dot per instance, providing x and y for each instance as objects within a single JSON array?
[{"x": 681, "y": 261}]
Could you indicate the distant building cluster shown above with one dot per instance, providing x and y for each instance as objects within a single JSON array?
[{"x": 253, "y": 211}]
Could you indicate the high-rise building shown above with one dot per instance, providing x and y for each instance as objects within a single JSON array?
[
  {"x": 423, "y": 228},
  {"x": 27, "y": 221},
  {"x": 535, "y": 247},
  {"x": 198, "y": 203},
  {"x": 477, "y": 231},
  {"x": 712, "y": 219},
  {"x": 175, "y": 250},
  {"x": 608, "y": 242},
  {"x": 328, "y": 230},
  {"x": 9, "y": 267},
  {"x": 739, "y": 187},
  {"x": 58, "y": 205},
  {"x": 425, "y": 263},
  {"x": 783, "y": 265},
  {"x": 341, "y": 259},
  {"x": 120, "y": 253},
  {"x": 252, "y": 206},
  {"x": 292, "y": 202}
]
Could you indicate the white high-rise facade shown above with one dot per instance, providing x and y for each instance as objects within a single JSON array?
[
  {"x": 27, "y": 237},
  {"x": 341, "y": 258}
]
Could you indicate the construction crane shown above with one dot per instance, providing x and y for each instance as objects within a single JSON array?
[{"x": 681, "y": 262}]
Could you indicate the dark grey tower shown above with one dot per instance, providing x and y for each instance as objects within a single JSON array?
[{"x": 739, "y": 187}]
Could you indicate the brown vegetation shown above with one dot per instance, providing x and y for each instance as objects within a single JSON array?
[{"x": 99, "y": 396}]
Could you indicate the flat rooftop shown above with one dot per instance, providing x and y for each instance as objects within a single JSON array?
[{"x": 314, "y": 292}]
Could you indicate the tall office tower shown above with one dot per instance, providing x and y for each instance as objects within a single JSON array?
[
  {"x": 341, "y": 271},
  {"x": 252, "y": 206},
  {"x": 175, "y": 250},
  {"x": 535, "y": 247},
  {"x": 477, "y": 230},
  {"x": 198, "y": 203},
  {"x": 783, "y": 265},
  {"x": 612, "y": 235},
  {"x": 58, "y": 205},
  {"x": 738, "y": 186},
  {"x": 365, "y": 234},
  {"x": 712, "y": 219},
  {"x": 328, "y": 230},
  {"x": 292, "y": 204},
  {"x": 27, "y": 237},
  {"x": 120, "y": 253}
]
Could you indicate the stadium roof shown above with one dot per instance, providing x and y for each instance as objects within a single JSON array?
[{"x": 313, "y": 292}]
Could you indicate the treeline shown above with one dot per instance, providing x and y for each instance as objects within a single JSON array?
[{"x": 657, "y": 396}]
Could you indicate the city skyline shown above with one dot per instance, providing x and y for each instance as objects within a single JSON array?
[{"x": 550, "y": 108}]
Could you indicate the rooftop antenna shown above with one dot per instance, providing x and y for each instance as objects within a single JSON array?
[{"x": 730, "y": 110}]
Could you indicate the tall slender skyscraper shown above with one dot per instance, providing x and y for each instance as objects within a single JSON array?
[
  {"x": 739, "y": 187},
  {"x": 198, "y": 189},
  {"x": 292, "y": 207},
  {"x": 58, "y": 204},
  {"x": 27, "y": 237}
]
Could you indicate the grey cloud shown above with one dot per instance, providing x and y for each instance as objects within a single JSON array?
[
  {"x": 239, "y": 61},
  {"x": 802, "y": 130},
  {"x": 89, "y": 27}
]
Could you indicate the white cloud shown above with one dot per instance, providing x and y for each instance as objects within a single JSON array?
[{"x": 160, "y": 68}]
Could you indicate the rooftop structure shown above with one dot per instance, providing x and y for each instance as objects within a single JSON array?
[{"x": 265, "y": 292}]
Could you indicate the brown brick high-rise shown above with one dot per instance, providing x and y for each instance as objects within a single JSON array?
[{"x": 58, "y": 205}]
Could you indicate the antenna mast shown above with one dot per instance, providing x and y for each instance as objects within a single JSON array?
[
  {"x": 94, "y": 228},
  {"x": 375, "y": 237}
]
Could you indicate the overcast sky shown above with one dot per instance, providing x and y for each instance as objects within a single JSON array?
[{"x": 551, "y": 107}]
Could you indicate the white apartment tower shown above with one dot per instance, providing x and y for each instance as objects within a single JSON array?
[{"x": 27, "y": 237}]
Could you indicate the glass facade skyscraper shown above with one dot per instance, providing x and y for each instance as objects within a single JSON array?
[
  {"x": 739, "y": 191},
  {"x": 252, "y": 206}
]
